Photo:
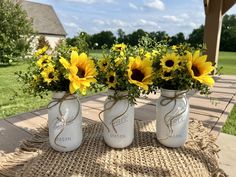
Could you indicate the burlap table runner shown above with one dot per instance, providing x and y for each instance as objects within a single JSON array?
[{"x": 144, "y": 157}]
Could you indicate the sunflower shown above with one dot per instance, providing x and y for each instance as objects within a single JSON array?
[
  {"x": 111, "y": 80},
  {"x": 118, "y": 61},
  {"x": 166, "y": 75},
  {"x": 140, "y": 72},
  {"x": 41, "y": 51},
  {"x": 155, "y": 53},
  {"x": 199, "y": 68},
  {"x": 170, "y": 62},
  {"x": 81, "y": 71},
  {"x": 103, "y": 63},
  {"x": 44, "y": 61},
  {"x": 49, "y": 74},
  {"x": 118, "y": 47}
]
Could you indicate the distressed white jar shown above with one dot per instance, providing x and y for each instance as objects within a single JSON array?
[
  {"x": 118, "y": 119},
  {"x": 172, "y": 118},
  {"x": 64, "y": 122}
]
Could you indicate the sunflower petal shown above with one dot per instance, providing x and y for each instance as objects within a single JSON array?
[
  {"x": 74, "y": 57},
  {"x": 64, "y": 63}
]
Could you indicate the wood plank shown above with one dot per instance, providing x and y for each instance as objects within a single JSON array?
[{"x": 10, "y": 136}]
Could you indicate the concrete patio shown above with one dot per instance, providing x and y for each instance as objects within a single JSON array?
[{"x": 15, "y": 129}]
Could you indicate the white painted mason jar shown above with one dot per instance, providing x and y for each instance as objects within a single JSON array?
[
  {"x": 172, "y": 118},
  {"x": 64, "y": 122},
  {"x": 118, "y": 119}
]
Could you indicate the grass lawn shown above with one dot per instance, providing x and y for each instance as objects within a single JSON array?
[
  {"x": 230, "y": 125},
  {"x": 228, "y": 61},
  {"x": 10, "y": 103}
]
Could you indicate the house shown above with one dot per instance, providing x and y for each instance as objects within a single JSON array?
[{"x": 45, "y": 21}]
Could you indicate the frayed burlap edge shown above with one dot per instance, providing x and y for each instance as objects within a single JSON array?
[
  {"x": 27, "y": 150},
  {"x": 11, "y": 164}
]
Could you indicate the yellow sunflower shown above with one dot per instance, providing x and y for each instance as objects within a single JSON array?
[
  {"x": 49, "y": 74},
  {"x": 81, "y": 71},
  {"x": 199, "y": 68},
  {"x": 44, "y": 61},
  {"x": 118, "y": 61},
  {"x": 103, "y": 63},
  {"x": 140, "y": 72},
  {"x": 118, "y": 47},
  {"x": 111, "y": 80},
  {"x": 41, "y": 51},
  {"x": 166, "y": 75},
  {"x": 170, "y": 62},
  {"x": 155, "y": 53}
]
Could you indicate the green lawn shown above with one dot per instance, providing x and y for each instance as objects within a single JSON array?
[
  {"x": 230, "y": 125},
  {"x": 228, "y": 61},
  {"x": 10, "y": 103}
]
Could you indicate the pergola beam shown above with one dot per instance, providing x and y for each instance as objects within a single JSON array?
[
  {"x": 214, "y": 10},
  {"x": 212, "y": 28},
  {"x": 227, "y": 4}
]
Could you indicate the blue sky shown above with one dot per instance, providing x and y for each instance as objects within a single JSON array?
[{"x": 93, "y": 16}]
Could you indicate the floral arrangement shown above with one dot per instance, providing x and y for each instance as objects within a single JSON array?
[
  {"x": 124, "y": 69},
  {"x": 51, "y": 71},
  {"x": 181, "y": 67}
]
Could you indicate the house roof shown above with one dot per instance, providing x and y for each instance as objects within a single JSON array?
[{"x": 45, "y": 20}]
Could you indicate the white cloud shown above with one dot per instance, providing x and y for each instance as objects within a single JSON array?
[
  {"x": 99, "y": 22},
  {"x": 83, "y": 1},
  {"x": 91, "y": 1},
  {"x": 119, "y": 23},
  {"x": 172, "y": 18},
  {"x": 133, "y": 6},
  {"x": 156, "y": 4},
  {"x": 143, "y": 22},
  {"x": 71, "y": 25}
]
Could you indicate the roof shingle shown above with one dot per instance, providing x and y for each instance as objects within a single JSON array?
[{"x": 45, "y": 20}]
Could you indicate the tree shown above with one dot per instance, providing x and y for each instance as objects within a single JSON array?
[
  {"x": 15, "y": 30},
  {"x": 42, "y": 41},
  {"x": 133, "y": 38},
  {"x": 177, "y": 39},
  {"x": 228, "y": 33},
  {"x": 81, "y": 41},
  {"x": 102, "y": 38},
  {"x": 196, "y": 37},
  {"x": 121, "y": 35}
]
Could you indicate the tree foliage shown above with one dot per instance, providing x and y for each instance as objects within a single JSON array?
[
  {"x": 195, "y": 38},
  {"x": 228, "y": 33},
  {"x": 15, "y": 30}
]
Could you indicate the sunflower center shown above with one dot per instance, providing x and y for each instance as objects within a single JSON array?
[
  {"x": 81, "y": 72},
  {"x": 51, "y": 75},
  {"x": 44, "y": 62},
  {"x": 169, "y": 63},
  {"x": 195, "y": 71},
  {"x": 137, "y": 75},
  {"x": 111, "y": 79},
  {"x": 104, "y": 64}
]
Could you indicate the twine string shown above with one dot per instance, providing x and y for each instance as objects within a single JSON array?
[
  {"x": 63, "y": 118},
  {"x": 166, "y": 101},
  {"x": 113, "y": 100}
]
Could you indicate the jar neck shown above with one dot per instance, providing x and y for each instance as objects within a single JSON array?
[
  {"x": 172, "y": 93},
  {"x": 59, "y": 95},
  {"x": 111, "y": 92}
]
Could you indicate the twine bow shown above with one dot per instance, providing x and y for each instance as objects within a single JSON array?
[
  {"x": 166, "y": 101},
  {"x": 113, "y": 100},
  {"x": 63, "y": 119}
]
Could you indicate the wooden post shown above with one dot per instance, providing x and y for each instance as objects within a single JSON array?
[{"x": 212, "y": 31}]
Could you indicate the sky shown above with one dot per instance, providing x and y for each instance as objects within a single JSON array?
[{"x": 93, "y": 16}]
